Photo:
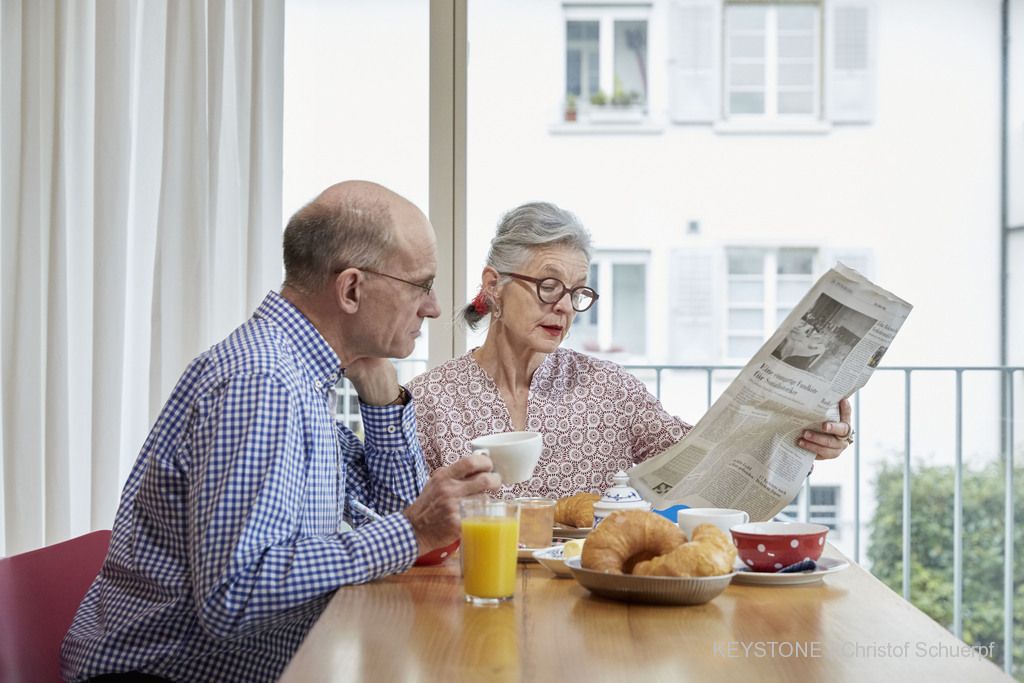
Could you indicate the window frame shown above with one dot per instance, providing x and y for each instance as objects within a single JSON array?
[
  {"x": 606, "y": 15},
  {"x": 771, "y": 114},
  {"x": 820, "y": 513},
  {"x": 604, "y": 261},
  {"x": 769, "y": 303}
]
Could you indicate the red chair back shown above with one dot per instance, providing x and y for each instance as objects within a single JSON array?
[{"x": 39, "y": 593}]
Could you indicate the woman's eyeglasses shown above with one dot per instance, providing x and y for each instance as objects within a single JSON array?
[{"x": 550, "y": 290}]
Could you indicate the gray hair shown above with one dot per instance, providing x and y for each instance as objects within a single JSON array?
[
  {"x": 320, "y": 240},
  {"x": 521, "y": 231}
]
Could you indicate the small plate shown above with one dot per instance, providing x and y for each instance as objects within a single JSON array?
[
  {"x": 826, "y": 565},
  {"x": 527, "y": 554},
  {"x": 656, "y": 590},
  {"x": 552, "y": 559},
  {"x": 571, "y": 531}
]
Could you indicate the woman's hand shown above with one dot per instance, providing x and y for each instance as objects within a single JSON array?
[{"x": 833, "y": 438}]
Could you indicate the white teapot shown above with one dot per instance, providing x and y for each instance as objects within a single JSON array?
[{"x": 620, "y": 496}]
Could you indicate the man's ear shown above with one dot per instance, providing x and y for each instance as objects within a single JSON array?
[{"x": 348, "y": 290}]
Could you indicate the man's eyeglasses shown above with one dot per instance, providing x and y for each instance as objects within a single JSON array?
[
  {"x": 550, "y": 290},
  {"x": 426, "y": 286}
]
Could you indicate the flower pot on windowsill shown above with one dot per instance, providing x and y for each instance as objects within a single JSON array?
[{"x": 570, "y": 114}]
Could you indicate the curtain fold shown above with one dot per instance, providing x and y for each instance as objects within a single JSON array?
[{"x": 141, "y": 208}]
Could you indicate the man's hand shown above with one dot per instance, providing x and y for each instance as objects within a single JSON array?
[
  {"x": 374, "y": 379},
  {"x": 435, "y": 514},
  {"x": 833, "y": 438}
]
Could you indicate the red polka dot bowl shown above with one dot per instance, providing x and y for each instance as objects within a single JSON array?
[{"x": 770, "y": 546}]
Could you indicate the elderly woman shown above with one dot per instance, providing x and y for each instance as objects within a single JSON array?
[{"x": 595, "y": 417}]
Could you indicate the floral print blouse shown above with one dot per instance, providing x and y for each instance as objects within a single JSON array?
[{"x": 595, "y": 417}]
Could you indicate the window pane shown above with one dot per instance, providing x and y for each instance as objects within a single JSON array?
[
  {"x": 746, "y": 319},
  {"x": 790, "y": 291},
  {"x": 329, "y": 134},
  {"x": 746, "y": 47},
  {"x": 573, "y": 71},
  {"x": 746, "y": 103},
  {"x": 824, "y": 495},
  {"x": 746, "y": 18},
  {"x": 743, "y": 346},
  {"x": 746, "y": 74},
  {"x": 796, "y": 103},
  {"x": 591, "y": 313},
  {"x": 795, "y": 261},
  {"x": 746, "y": 262},
  {"x": 630, "y": 61},
  {"x": 746, "y": 291},
  {"x": 797, "y": 18},
  {"x": 581, "y": 57},
  {"x": 796, "y": 73},
  {"x": 629, "y": 329},
  {"x": 796, "y": 46}
]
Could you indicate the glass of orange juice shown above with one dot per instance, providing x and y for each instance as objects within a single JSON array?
[{"x": 490, "y": 531}]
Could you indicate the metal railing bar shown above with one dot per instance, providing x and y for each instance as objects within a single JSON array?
[
  {"x": 1008, "y": 585},
  {"x": 906, "y": 484},
  {"x": 709, "y": 371},
  {"x": 805, "y": 501},
  {"x": 958, "y": 514},
  {"x": 856, "y": 478}
]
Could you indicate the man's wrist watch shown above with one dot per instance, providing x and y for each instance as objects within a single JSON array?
[{"x": 402, "y": 398}]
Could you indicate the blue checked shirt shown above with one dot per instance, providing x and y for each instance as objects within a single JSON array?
[{"x": 226, "y": 546}]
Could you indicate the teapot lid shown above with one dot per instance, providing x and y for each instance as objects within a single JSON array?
[{"x": 622, "y": 496}]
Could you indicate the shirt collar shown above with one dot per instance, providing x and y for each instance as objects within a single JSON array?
[{"x": 312, "y": 349}]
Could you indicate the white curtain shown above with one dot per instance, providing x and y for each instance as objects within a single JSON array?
[{"x": 141, "y": 222}]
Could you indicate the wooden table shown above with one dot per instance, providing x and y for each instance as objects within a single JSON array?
[{"x": 416, "y": 627}]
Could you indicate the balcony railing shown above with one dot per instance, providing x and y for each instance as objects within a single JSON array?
[{"x": 1006, "y": 380}]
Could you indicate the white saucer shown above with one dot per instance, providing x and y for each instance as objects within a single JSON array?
[{"x": 826, "y": 565}]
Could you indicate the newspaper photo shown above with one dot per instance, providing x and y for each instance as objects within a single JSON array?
[{"x": 743, "y": 452}]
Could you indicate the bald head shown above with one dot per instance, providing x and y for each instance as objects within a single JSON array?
[{"x": 350, "y": 224}]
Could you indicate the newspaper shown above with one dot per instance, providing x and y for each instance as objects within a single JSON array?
[{"x": 743, "y": 453}]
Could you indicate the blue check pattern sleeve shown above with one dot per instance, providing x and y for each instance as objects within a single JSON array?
[
  {"x": 391, "y": 470},
  {"x": 253, "y": 564},
  {"x": 227, "y": 543}
]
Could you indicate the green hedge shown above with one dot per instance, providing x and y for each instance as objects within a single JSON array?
[{"x": 931, "y": 534}]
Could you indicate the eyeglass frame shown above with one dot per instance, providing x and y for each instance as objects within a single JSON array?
[
  {"x": 427, "y": 287},
  {"x": 565, "y": 290}
]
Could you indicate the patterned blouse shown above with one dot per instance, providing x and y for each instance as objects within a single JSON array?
[{"x": 596, "y": 419}]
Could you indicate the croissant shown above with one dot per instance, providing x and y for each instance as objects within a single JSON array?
[
  {"x": 577, "y": 510},
  {"x": 710, "y": 553},
  {"x": 628, "y": 537}
]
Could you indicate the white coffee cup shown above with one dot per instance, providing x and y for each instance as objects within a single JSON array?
[
  {"x": 724, "y": 518},
  {"x": 514, "y": 454}
]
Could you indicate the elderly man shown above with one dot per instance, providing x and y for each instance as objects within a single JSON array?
[{"x": 226, "y": 544}]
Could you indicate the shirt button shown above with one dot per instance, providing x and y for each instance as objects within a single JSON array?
[
  {"x": 391, "y": 429},
  {"x": 318, "y": 384}
]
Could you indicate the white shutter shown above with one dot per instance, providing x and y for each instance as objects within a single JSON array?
[
  {"x": 694, "y": 305},
  {"x": 694, "y": 55},
  {"x": 850, "y": 61}
]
